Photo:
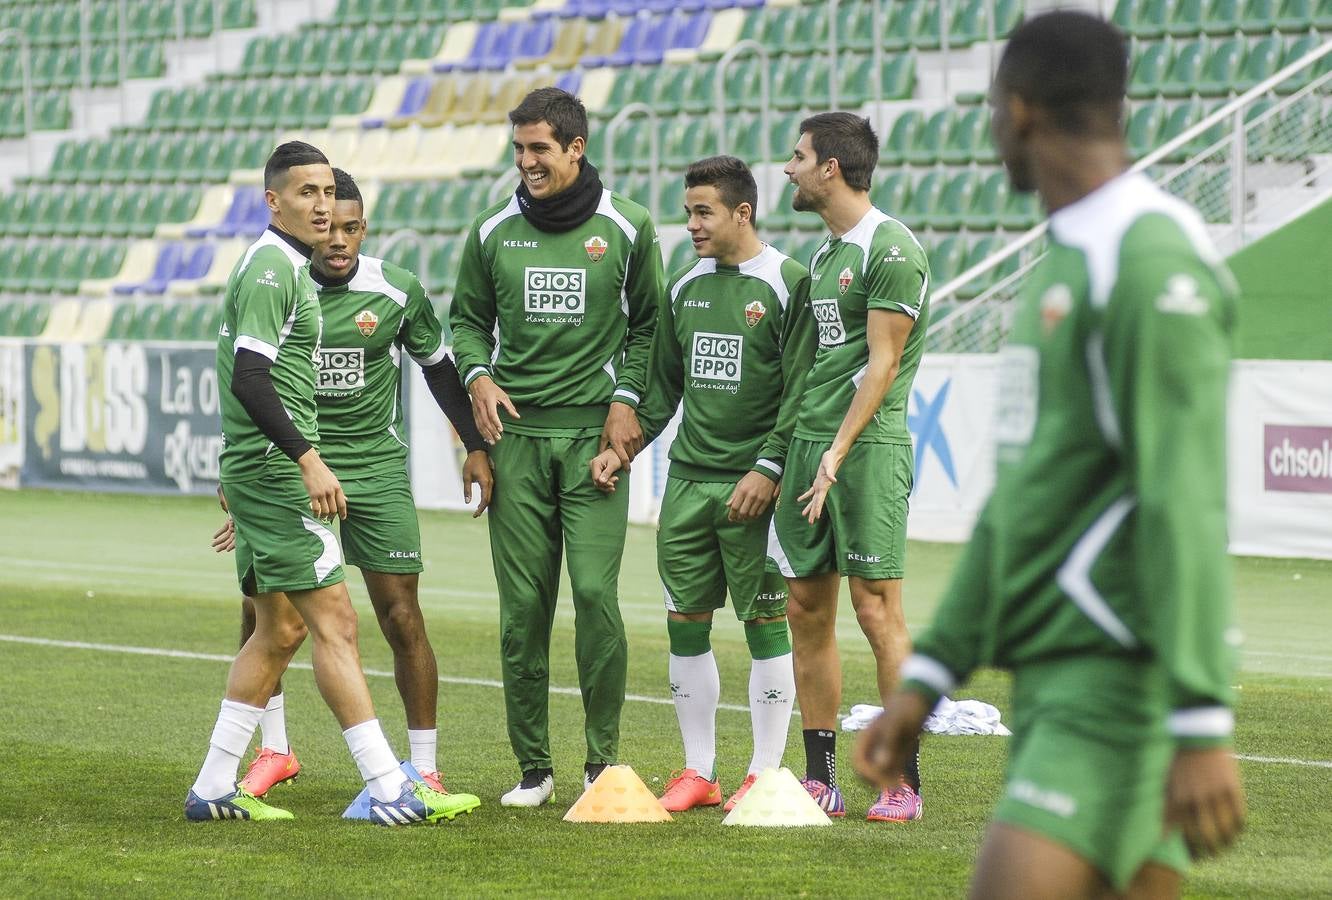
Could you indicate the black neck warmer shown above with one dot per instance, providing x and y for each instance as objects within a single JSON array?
[{"x": 569, "y": 208}]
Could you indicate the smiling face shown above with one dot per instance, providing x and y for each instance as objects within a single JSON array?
[
  {"x": 546, "y": 167},
  {"x": 804, "y": 171},
  {"x": 716, "y": 231},
  {"x": 336, "y": 256},
  {"x": 302, "y": 202}
]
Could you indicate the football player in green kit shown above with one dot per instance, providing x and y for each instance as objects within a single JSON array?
[
  {"x": 849, "y": 472},
  {"x": 279, "y": 489},
  {"x": 734, "y": 341},
  {"x": 552, "y": 323},
  {"x": 1097, "y": 571},
  {"x": 373, "y": 313}
]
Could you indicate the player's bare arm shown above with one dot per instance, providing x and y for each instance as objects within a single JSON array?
[
  {"x": 487, "y": 398},
  {"x": 622, "y": 433},
  {"x": 604, "y": 467},
  {"x": 1204, "y": 799},
  {"x": 477, "y": 469},
  {"x": 751, "y": 498},
  {"x": 326, "y": 496},
  {"x": 886, "y": 333}
]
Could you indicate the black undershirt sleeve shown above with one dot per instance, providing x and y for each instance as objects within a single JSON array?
[
  {"x": 252, "y": 385},
  {"x": 444, "y": 383}
]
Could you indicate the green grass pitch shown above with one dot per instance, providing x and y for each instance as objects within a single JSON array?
[{"x": 99, "y": 744}]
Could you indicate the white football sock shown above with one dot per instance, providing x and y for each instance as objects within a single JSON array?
[
  {"x": 422, "y": 742},
  {"x": 273, "y": 726},
  {"x": 231, "y": 735},
  {"x": 696, "y": 687},
  {"x": 771, "y": 692},
  {"x": 375, "y": 759}
]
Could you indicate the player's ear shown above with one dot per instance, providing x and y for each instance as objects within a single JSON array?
[
  {"x": 744, "y": 213},
  {"x": 578, "y": 147},
  {"x": 271, "y": 199}
]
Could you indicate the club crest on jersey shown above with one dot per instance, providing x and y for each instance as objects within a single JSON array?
[
  {"x": 595, "y": 247},
  {"x": 844, "y": 280},
  {"x": 1056, "y": 303},
  {"x": 754, "y": 313},
  {"x": 367, "y": 321}
]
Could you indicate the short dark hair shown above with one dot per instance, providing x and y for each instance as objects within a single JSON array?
[
  {"x": 561, "y": 110},
  {"x": 288, "y": 156},
  {"x": 345, "y": 187},
  {"x": 848, "y": 138},
  {"x": 732, "y": 179},
  {"x": 1071, "y": 64}
]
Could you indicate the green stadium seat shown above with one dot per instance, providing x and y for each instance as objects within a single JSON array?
[
  {"x": 1179, "y": 120},
  {"x": 969, "y": 138},
  {"x": 1222, "y": 71},
  {"x": 947, "y": 259},
  {"x": 1185, "y": 69},
  {"x": 1143, "y": 18},
  {"x": 239, "y": 14},
  {"x": 788, "y": 83},
  {"x": 925, "y": 199},
  {"x": 1151, "y": 60},
  {"x": 1259, "y": 16},
  {"x": 1020, "y": 212},
  {"x": 780, "y": 24},
  {"x": 957, "y": 198},
  {"x": 982, "y": 250},
  {"x": 1296, "y": 16},
  {"x": 33, "y": 319},
  {"x": 10, "y": 311},
  {"x": 855, "y": 26},
  {"x": 258, "y": 59},
  {"x": 902, "y": 137},
  {"x": 927, "y": 28},
  {"x": 146, "y": 60},
  {"x": 52, "y": 112},
  {"x": 1144, "y": 127},
  {"x": 682, "y": 254},
  {"x": 1223, "y": 17},
  {"x": 983, "y": 215},
  {"x": 1186, "y": 18},
  {"x": 782, "y": 216},
  {"x": 929, "y": 144},
  {"x": 46, "y": 270},
  {"x": 1295, "y": 49},
  {"x": 1262, "y": 62}
]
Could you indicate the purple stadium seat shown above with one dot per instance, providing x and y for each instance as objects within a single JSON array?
[
  {"x": 413, "y": 99},
  {"x": 689, "y": 31},
  {"x": 485, "y": 39},
  {"x": 502, "y": 50},
  {"x": 570, "y": 81},
  {"x": 640, "y": 32},
  {"x": 168, "y": 263},
  {"x": 536, "y": 40},
  {"x": 587, "y": 9}
]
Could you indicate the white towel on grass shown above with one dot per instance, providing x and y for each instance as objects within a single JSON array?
[{"x": 949, "y": 717}]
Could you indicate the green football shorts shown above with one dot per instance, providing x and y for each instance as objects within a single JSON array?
[
  {"x": 700, "y": 555},
  {"x": 1088, "y": 762},
  {"x": 862, "y": 530},
  {"x": 280, "y": 546},
  {"x": 381, "y": 532}
]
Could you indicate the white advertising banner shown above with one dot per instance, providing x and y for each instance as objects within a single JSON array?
[
  {"x": 1280, "y": 442},
  {"x": 12, "y": 394}
]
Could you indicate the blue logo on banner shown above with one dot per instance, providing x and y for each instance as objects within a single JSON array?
[{"x": 927, "y": 430}]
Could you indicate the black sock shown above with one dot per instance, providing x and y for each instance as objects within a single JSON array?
[
  {"x": 533, "y": 778},
  {"x": 593, "y": 770},
  {"x": 911, "y": 772},
  {"x": 821, "y": 755}
]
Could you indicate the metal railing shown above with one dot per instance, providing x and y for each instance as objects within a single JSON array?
[{"x": 1216, "y": 162}]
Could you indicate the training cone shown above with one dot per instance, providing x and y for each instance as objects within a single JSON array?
[
  {"x": 777, "y": 799},
  {"x": 360, "y": 807},
  {"x": 618, "y": 795}
]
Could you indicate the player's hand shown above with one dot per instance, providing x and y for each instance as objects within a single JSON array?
[
  {"x": 604, "y": 466},
  {"x": 326, "y": 497},
  {"x": 224, "y": 539},
  {"x": 222, "y": 500},
  {"x": 824, "y": 479},
  {"x": 750, "y": 498},
  {"x": 487, "y": 398},
  {"x": 478, "y": 469},
  {"x": 622, "y": 432},
  {"x": 1204, "y": 799},
  {"x": 880, "y": 753}
]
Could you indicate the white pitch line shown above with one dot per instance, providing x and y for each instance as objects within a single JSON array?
[
  {"x": 473, "y": 682},
  {"x": 1286, "y": 761},
  {"x": 223, "y": 657}
]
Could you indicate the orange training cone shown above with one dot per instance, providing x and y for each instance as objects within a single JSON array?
[{"x": 618, "y": 795}]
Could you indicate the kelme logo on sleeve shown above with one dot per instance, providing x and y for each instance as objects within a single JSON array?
[
  {"x": 754, "y": 313},
  {"x": 268, "y": 279},
  {"x": 595, "y": 247},
  {"x": 554, "y": 295},
  {"x": 832, "y": 333},
  {"x": 341, "y": 371},
  {"x": 716, "y": 357},
  {"x": 367, "y": 321}
]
